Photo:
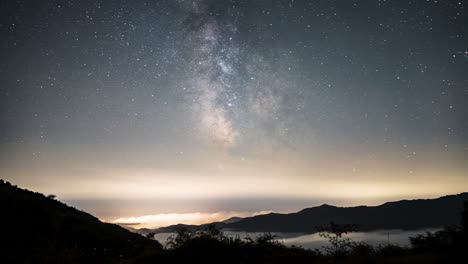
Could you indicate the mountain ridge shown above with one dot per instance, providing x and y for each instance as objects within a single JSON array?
[{"x": 403, "y": 214}]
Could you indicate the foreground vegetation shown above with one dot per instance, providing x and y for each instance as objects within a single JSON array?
[
  {"x": 39, "y": 229},
  {"x": 212, "y": 246}
]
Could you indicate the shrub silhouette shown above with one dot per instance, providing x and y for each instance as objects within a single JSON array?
[
  {"x": 213, "y": 246},
  {"x": 464, "y": 217}
]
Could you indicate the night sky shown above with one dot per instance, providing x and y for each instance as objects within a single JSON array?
[{"x": 275, "y": 104}]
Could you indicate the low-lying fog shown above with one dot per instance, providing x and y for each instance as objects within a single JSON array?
[{"x": 375, "y": 238}]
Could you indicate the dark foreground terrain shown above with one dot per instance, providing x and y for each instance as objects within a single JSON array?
[{"x": 40, "y": 229}]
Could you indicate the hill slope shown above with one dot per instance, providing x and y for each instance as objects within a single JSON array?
[{"x": 38, "y": 229}]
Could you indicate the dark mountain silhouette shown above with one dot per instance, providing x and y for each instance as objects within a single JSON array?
[
  {"x": 405, "y": 214},
  {"x": 232, "y": 220},
  {"x": 39, "y": 229}
]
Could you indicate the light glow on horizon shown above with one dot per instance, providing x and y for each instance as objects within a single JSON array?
[{"x": 197, "y": 218}]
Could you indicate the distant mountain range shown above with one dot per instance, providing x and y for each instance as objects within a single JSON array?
[
  {"x": 405, "y": 214},
  {"x": 232, "y": 220}
]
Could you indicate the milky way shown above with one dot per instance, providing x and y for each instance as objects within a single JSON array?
[{"x": 231, "y": 87}]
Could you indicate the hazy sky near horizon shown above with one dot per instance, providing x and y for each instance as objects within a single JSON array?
[{"x": 219, "y": 100}]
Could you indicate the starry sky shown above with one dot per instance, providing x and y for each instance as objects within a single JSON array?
[{"x": 192, "y": 109}]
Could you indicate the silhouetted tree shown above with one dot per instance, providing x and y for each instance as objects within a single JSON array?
[
  {"x": 178, "y": 239},
  {"x": 334, "y": 234},
  {"x": 151, "y": 236}
]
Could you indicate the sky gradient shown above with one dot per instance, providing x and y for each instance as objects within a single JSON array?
[{"x": 233, "y": 107}]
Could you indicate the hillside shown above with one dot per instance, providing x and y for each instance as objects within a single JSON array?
[
  {"x": 405, "y": 214},
  {"x": 39, "y": 229}
]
